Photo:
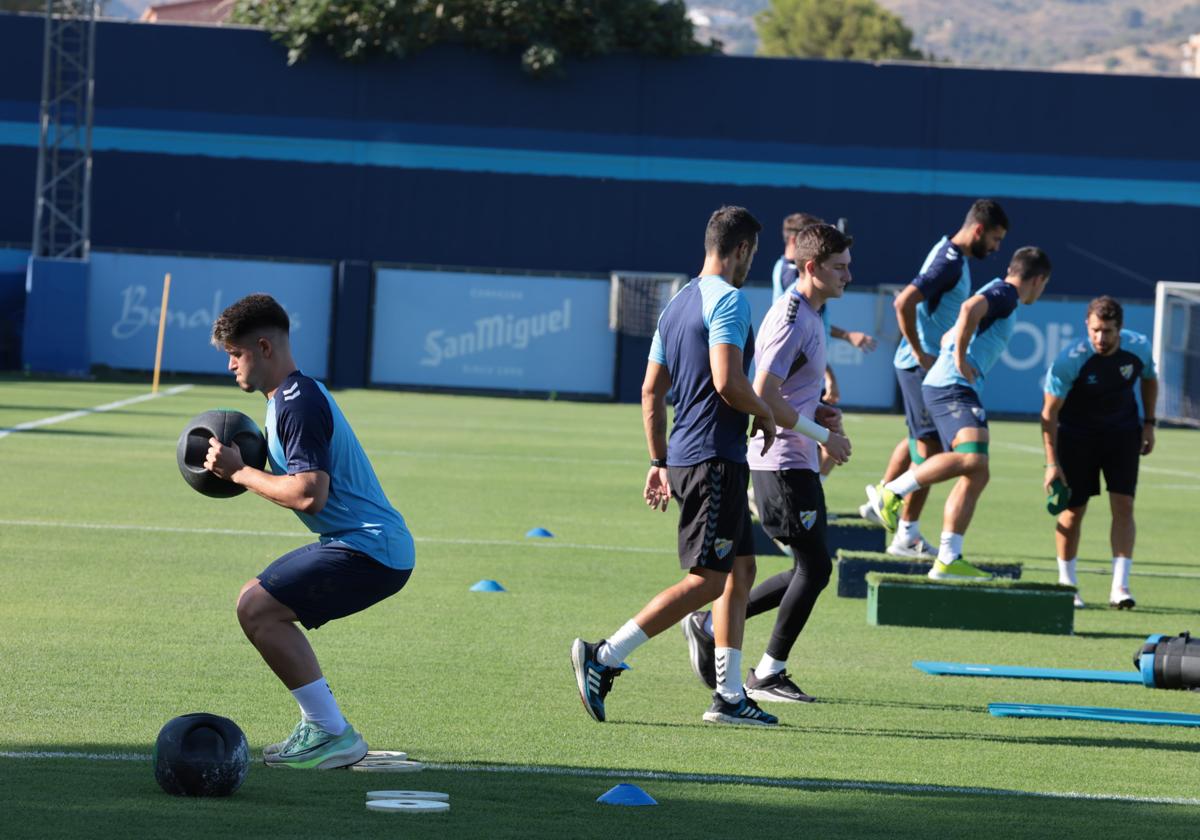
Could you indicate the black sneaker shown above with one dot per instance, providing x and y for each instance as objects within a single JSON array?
[
  {"x": 745, "y": 712},
  {"x": 777, "y": 688},
  {"x": 1120, "y": 599},
  {"x": 595, "y": 679},
  {"x": 701, "y": 648}
]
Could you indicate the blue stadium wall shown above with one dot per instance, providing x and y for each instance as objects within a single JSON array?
[{"x": 207, "y": 142}]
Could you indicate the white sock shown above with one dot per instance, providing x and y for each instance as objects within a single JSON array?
[
  {"x": 708, "y": 623},
  {"x": 904, "y": 484},
  {"x": 1066, "y": 572},
  {"x": 907, "y": 532},
  {"x": 318, "y": 706},
  {"x": 1121, "y": 573},
  {"x": 768, "y": 666},
  {"x": 951, "y": 547},
  {"x": 622, "y": 643},
  {"x": 729, "y": 673}
]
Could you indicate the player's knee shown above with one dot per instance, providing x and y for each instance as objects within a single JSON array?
[
  {"x": 253, "y": 606},
  {"x": 1122, "y": 505}
]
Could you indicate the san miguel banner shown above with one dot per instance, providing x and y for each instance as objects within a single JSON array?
[
  {"x": 125, "y": 299},
  {"x": 492, "y": 332}
]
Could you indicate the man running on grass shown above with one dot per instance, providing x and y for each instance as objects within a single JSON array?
[
  {"x": 951, "y": 392},
  {"x": 925, "y": 310},
  {"x": 1090, "y": 426},
  {"x": 701, "y": 350},
  {"x": 790, "y": 366},
  {"x": 319, "y": 470}
]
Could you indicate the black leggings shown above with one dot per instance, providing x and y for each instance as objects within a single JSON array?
[{"x": 794, "y": 592}]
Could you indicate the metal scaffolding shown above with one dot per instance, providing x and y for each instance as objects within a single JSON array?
[{"x": 62, "y": 205}]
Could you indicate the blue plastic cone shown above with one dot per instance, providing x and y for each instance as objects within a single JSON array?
[
  {"x": 538, "y": 532},
  {"x": 488, "y": 586},
  {"x": 624, "y": 794}
]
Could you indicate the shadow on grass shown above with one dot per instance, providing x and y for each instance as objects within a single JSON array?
[
  {"x": 77, "y": 797},
  {"x": 1090, "y": 635}
]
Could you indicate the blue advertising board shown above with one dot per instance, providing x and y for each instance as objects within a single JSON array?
[
  {"x": 865, "y": 380},
  {"x": 1041, "y": 332},
  {"x": 125, "y": 298},
  {"x": 493, "y": 332}
]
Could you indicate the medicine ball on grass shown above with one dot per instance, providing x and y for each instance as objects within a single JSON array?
[
  {"x": 201, "y": 755},
  {"x": 232, "y": 428}
]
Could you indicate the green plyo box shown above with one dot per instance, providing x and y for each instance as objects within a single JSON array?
[
  {"x": 1011, "y": 606},
  {"x": 854, "y": 566}
]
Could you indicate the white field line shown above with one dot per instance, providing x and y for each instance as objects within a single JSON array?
[
  {"x": 534, "y": 543},
  {"x": 702, "y": 778},
  {"x": 233, "y": 532},
  {"x": 84, "y": 412},
  {"x": 1037, "y": 450}
]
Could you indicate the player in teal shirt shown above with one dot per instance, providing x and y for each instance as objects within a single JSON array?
[
  {"x": 951, "y": 393},
  {"x": 364, "y": 551}
]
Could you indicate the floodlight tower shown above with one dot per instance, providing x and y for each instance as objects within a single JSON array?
[{"x": 62, "y": 205}]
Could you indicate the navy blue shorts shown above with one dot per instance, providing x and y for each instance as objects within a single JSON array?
[
  {"x": 920, "y": 424},
  {"x": 953, "y": 408},
  {"x": 322, "y": 582}
]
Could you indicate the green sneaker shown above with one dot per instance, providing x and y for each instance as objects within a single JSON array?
[
  {"x": 311, "y": 747},
  {"x": 886, "y": 505},
  {"x": 275, "y": 749},
  {"x": 958, "y": 569}
]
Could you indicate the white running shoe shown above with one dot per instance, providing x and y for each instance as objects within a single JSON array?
[
  {"x": 920, "y": 547},
  {"x": 867, "y": 512},
  {"x": 1078, "y": 602}
]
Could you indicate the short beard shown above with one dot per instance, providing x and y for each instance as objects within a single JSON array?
[{"x": 979, "y": 249}]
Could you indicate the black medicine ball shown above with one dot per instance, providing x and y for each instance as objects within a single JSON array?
[
  {"x": 229, "y": 427},
  {"x": 201, "y": 755}
]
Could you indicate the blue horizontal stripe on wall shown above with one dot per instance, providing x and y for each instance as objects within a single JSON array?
[{"x": 631, "y": 167}]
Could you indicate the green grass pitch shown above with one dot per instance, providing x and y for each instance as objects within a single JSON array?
[{"x": 117, "y": 613}]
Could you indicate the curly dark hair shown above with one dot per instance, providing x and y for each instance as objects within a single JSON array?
[{"x": 249, "y": 315}]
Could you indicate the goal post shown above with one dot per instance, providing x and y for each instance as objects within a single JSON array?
[
  {"x": 637, "y": 298},
  {"x": 1177, "y": 351}
]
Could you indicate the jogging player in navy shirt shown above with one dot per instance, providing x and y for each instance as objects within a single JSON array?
[
  {"x": 701, "y": 351},
  {"x": 318, "y": 469},
  {"x": 925, "y": 310},
  {"x": 1090, "y": 425}
]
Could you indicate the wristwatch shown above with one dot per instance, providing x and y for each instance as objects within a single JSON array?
[
  {"x": 658, "y": 462},
  {"x": 1150, "y": 421}
]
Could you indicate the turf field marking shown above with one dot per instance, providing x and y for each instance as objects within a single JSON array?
[
  {"x": 84, "y": 412},
  {"x": 542, "y": 545},
  {"x": 702, "y": 778}
]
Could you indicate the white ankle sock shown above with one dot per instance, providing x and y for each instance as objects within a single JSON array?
[
  {"x": 1120, "y": 566},
  {"x": 904, "y": 484},
  {"x": 768, "y": 666},
  {"x": 1066, "y": 571},
  {"x": 907, "y": 532},
  {"x": 950, "y": 548},
  {"x": 729, "y": 673},
  {"x": 318, "y": 706},
  {"x": 622, "y": 643}
]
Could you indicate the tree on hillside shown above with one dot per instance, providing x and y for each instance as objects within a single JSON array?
[
  {"x": 22, "y": 5},
  {"x": 543, "y": 32},
  {"x": 859, "y": 29}
]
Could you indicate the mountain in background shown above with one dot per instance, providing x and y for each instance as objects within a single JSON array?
[
  {"x": 1116, "y": 36},
  {"x": 1121, "y": 36}
]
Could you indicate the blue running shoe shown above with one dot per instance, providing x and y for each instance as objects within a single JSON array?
[
  {"x": 745, "y": 712},
  {"x": 594, "y": 678}
]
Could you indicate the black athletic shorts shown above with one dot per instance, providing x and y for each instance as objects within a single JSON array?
[
  {"x": 714, "y": 514},
  {"x": 791, "y": 506},
  {"x": 1083, "y": 456},
  {"x": 322, "y": 582}
]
